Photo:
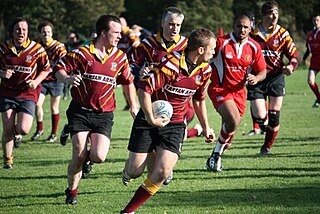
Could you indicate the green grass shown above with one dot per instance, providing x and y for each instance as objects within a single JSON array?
[{"x": 288, "y": 181}]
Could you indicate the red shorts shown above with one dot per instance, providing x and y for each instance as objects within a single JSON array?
[
  {"x": 314, "y": 63},
  {"x": 220, "y": 95}
]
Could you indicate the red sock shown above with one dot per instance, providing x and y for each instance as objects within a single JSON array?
[
  {"x": 270, "y": 137},
  {"x": 39, "y": 125},
  {"x": 138, "y": 199},
  {"x": 225, "y": 136},
  {"x": 315, "y": 89},
  {"x": 192, "y": 133},
  {"x": 54, "y": 122},
  {"x": 73, "y": 192}
]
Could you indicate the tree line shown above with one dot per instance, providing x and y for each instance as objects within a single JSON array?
[{"x": 80, "y": 15}]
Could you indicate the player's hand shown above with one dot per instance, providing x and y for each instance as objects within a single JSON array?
[
  {"x": 7, "y": 73},
  {"x": 74, "y": 79},
  {"x": 145, "y": 70},
  {"x": 287, "y": 70},
  {"x": 134, "y": 111},
  {"x": 159, "y": 122},
  {"x": 32, "y": 84},
  {"x": 251, "y": 79},
  {"x": 209, "y": 135}
]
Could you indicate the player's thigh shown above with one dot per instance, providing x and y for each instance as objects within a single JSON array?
[
  {"x": 24, "y": 122},
  {"x": 55, "y": 102},
  {"x": 100, "y": 144},
  {"x": 258, "y": 108},
  {"x": 275, "y": 103},
  {"x": 137, "y": 162},
  {"x": 79, "y": 140}
]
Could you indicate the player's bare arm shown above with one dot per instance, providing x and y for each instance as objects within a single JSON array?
[
  {"x": 254, "y": 79},
  {"x": 201, "y": 112},
  {"x": 74, "y": 79}
]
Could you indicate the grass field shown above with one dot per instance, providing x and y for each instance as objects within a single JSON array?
[{"x": 288, "y": 181}]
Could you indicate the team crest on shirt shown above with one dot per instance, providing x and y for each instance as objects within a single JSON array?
[
  {"x": 90, "y": 63},
  {"x": 114, "y": 66},
  {"x": 229, "y": 55},
  {"x": 198, "y": 79},
  {"x": 247, "y": 58},
  {"x": 28, "y": 58},
  {"x": 276, "y": 43},
  {"x": 155, "y": 52}
]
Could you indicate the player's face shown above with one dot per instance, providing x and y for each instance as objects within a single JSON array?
[
  {"x": 209, "y": 50},
  {"x": 46, "y": 33},
  {"x": 242, "y": 28},
  {"x": 316, "y": 22},
  {"x": 114, "y": 34},
  {"x": 20, "y": 33},
  {"x": 171, "y": 27},
  {"x": 271, "y": 19}
]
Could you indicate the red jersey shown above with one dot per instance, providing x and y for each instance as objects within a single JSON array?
[
  {"x": 233, "y": 61},
  {"x": 27, "y": 64},
  {"x": 313, "y": 46},
  {"x": 277, "y": 44},
  {"x": 171, "y": 81},
  {"x": 99, "y": 76},
  {"x": 152, "y": 49},
  {"x": 55, "y": 50}
]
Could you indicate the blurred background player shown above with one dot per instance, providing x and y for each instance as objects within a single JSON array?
[
  {"x": 255, "y": 126},
  {"x": 275, "y": 42},
  {"x": 55, "y": 50},
  {"x": 313, "y": 47},
  {"x": 153, "y": 48},
  {"x": 130, "y": 38},
  {"x": 236, "y": 55},
  {"x": 23, "y": 65}
]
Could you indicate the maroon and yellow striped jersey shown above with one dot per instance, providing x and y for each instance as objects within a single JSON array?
[
  {"x": 55, "y": 50},
  {"x": 274, "y": 47},
  {"x": 233, "y": 61},
  {"x": 172, "y": 81},
  {"x": 152, "y": 49},
  {"x": 27, "y": 64},
  {"x": 313, "y": 46},
  {"x": 99, "y": 76}
]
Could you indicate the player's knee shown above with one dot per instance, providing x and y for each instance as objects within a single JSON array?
[{"x": 274, "y": 118}]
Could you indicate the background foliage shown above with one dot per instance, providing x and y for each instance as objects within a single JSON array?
[{"x": 80, "y": 15}]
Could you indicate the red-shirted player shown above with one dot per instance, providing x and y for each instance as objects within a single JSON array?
[
  {"x": 275, "y": 43},
  {"x": 55, "y": 50},
  {"x": 237, "y": 55},
  {"x": 313, "y": 47},
  {"x": 23, "y": 65},
  {"x": 94, "y": 70},
  {"x": 180, "y": 77},
  {"x": 153, "y": 48}
]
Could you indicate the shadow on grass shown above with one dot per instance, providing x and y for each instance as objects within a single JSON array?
[{"x": 220, "y": 199}]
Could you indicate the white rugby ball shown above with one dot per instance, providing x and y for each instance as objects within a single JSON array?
[{"x": 162, "y": 108}]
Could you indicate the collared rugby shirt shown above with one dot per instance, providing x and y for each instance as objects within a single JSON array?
[{"x": 172, "y": 81}]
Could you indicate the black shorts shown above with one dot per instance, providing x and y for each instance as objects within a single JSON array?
[
  {"x": 271, "y": 86},
  {"x": 144, "y": 138},
  {"x": 81, "y": 119},
  {"x": 19, "y": 105},
  {"x": 54, "y": 88}
]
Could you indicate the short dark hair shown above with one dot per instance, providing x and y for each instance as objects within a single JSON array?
[
  {"x": 43, "y": 24},
  {"x": 15, "y": 21},
  {"x": 104, "y": 21},
  {"x": 268, "y": 7},
  {"x": 240, "y": 16},
  {"x": 199, "y": 38}
]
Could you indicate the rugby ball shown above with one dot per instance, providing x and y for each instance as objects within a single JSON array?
[{"x": 162, "y": 108}]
